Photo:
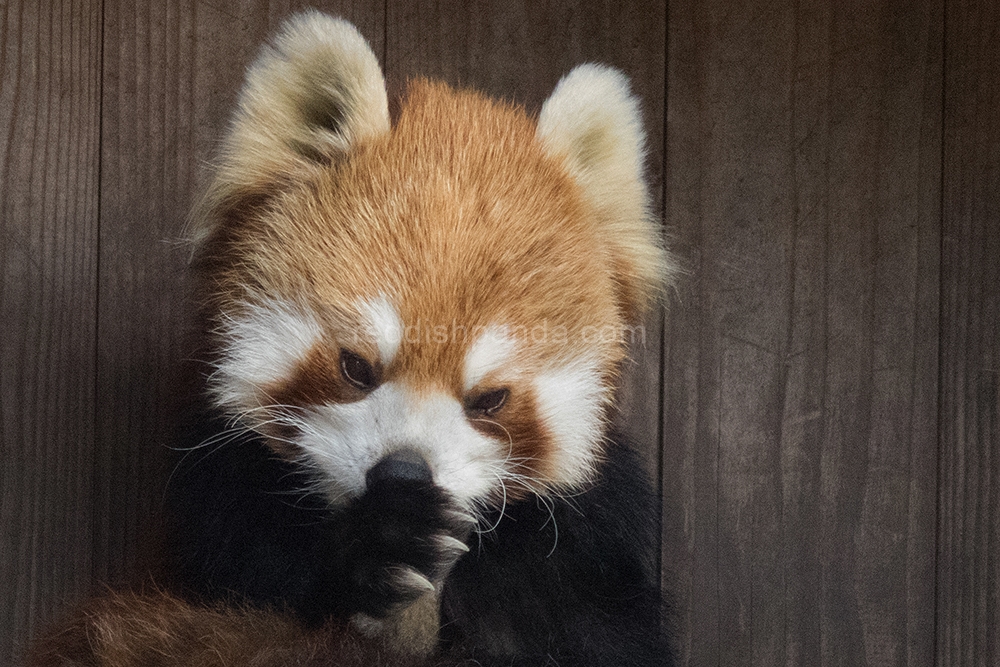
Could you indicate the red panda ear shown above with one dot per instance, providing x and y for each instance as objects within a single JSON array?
[
  {"x": 312, "y": 93},
  {"x": 592, "y": 123}
]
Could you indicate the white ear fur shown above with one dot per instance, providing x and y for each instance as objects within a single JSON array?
[
  {"x": 593, "y": 122},
  {"x": 318, "y": 88},
  {"x": 312, "y": 93}
]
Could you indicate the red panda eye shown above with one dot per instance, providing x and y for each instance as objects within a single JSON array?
[
  {"x": 357, "y": 371},
  {"x": 489, "y": 403}
]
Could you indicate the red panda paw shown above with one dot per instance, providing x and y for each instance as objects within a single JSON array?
[{"x": 407, "y": 534}]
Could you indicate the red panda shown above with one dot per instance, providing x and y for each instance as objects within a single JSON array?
[{"x": 415, "y": 330}]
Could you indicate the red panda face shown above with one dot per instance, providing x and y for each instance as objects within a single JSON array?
[{"x": 461, "y": 285}]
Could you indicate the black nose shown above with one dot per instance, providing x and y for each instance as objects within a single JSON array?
[{"x": 405, "y": 465}]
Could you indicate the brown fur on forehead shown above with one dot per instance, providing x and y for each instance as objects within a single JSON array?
[{"x": 457, "y": 216}]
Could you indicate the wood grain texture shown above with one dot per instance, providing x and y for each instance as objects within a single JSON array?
[
  {"x": 49, "y": 131},
  {"x": 518, "y": 51},
  {"x": 803, "y": 180},
  {"x": 147, "y": 183},
  {"x": 968, "y": 565}
]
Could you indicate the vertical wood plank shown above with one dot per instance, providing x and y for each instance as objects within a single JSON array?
[
  {"x": 49, "y": 133},
  {"x": 518, "y": 51},
  {"x": 969, "y": 532},
  {"x": 172, "y": 72},
  {"x": 146, "y": 180},
  {"x": 878, "y": 475},
  {"x": 803, "y": 181}
]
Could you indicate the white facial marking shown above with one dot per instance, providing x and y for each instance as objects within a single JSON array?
[
  {"x": 490, "y": 351},
  {"x": 571, "y": 401},
  {"x": 381, "y": 321},
  {"x": 262, "y": 346},
  {"x": 343, "y": 441}
]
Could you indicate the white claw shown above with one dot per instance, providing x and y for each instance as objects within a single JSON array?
[
  {"x": 449, "y": 543},
  {"x": 408, "y": 578}
]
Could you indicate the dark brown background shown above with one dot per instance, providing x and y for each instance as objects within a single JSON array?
[{"x": 820, "y": 405}]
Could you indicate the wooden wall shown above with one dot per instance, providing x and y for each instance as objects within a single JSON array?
[{"x": 820, "y": 403}]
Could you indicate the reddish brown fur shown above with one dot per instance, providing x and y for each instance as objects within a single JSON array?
[
  {"x": 160, "y": 630},
  {"x": 425, "y": 215},
  {"x": 519, "y": 425},
  {"x": 316, "y": 379}
]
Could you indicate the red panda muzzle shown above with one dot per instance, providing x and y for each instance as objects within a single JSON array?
[{"x": 402, "y": 465}]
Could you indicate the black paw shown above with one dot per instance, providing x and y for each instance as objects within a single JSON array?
[{"x": 406, "y": 535}]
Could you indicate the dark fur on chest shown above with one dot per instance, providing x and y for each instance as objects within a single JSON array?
[{"x": 568, "y": 581}]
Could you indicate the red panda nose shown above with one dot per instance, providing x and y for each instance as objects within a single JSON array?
[{"x": 405, "y": 465}]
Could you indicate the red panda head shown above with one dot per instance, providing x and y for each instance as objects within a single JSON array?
[{"x": 462, "y": 284}]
